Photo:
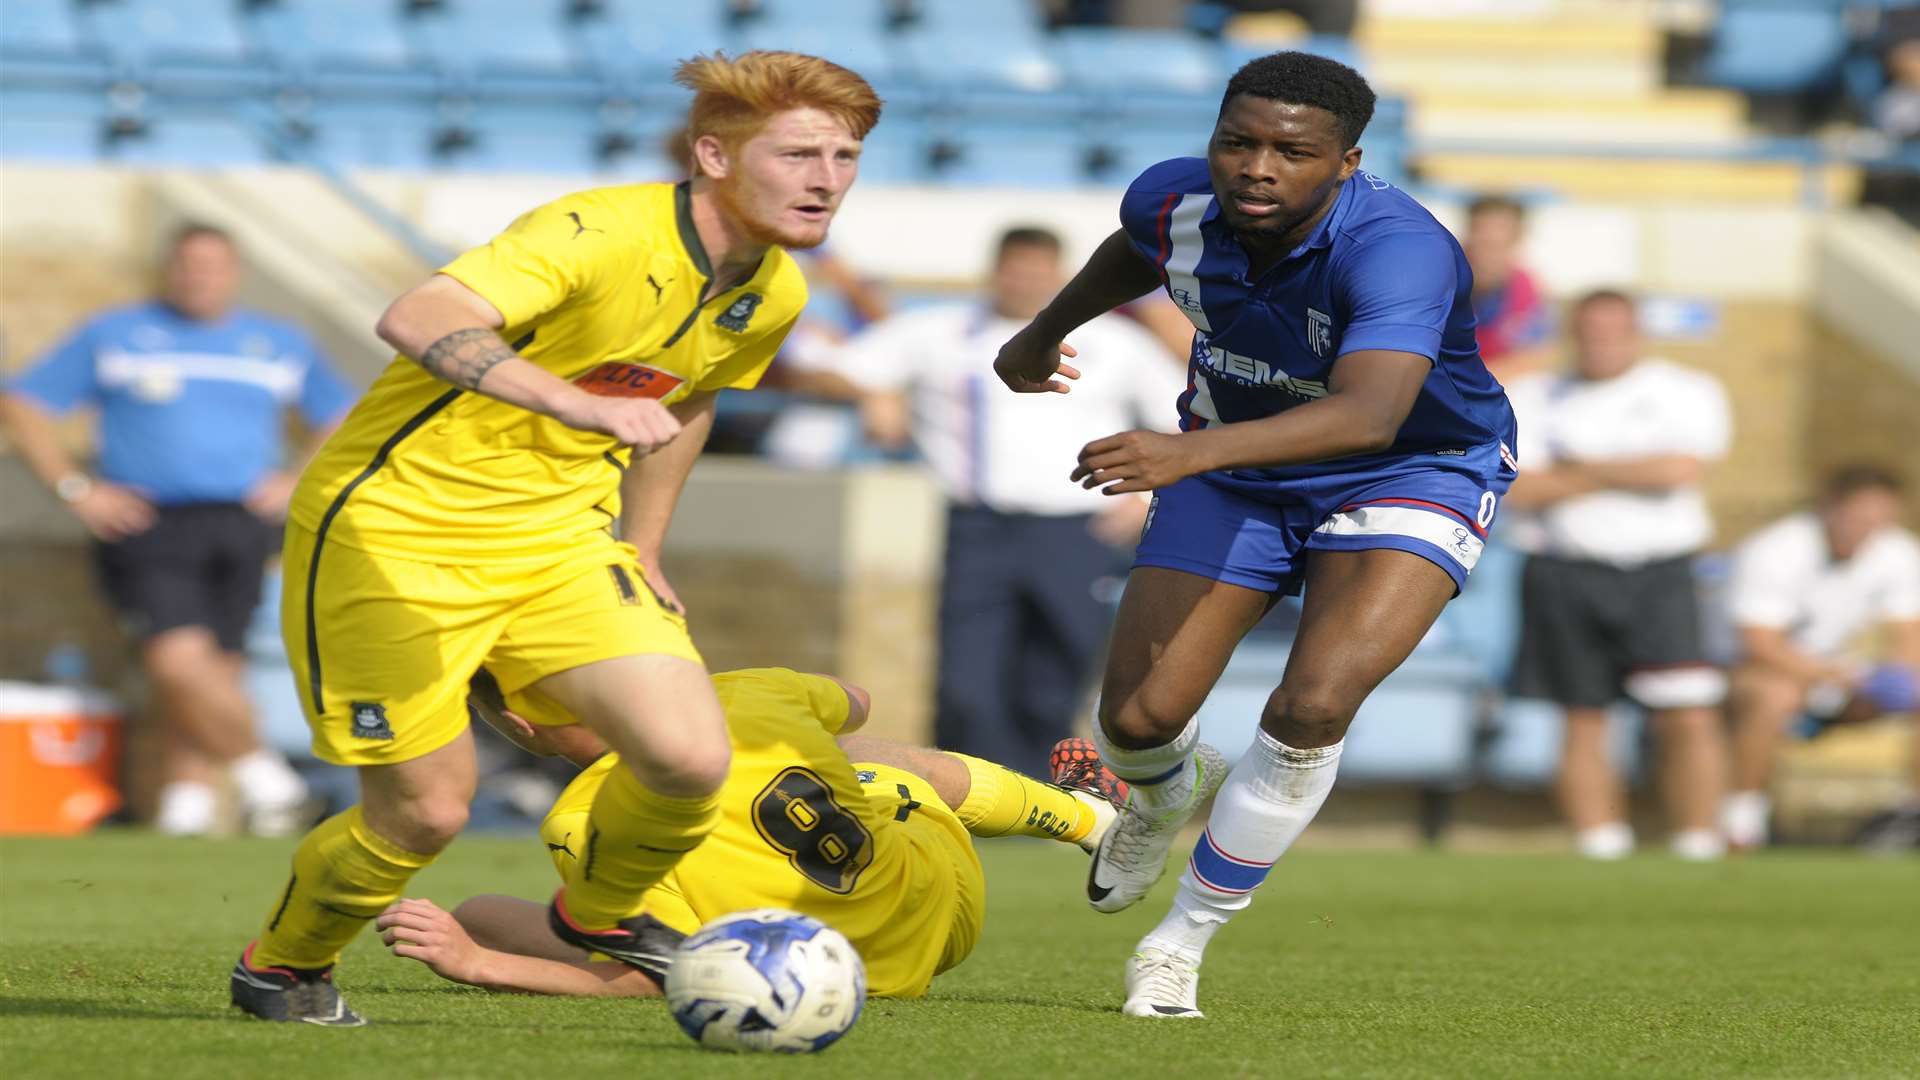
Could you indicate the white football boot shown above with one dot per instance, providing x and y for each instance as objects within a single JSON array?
[
  {"x": 1133, "y": 853},
  {"x": 1162, "y": 983}
]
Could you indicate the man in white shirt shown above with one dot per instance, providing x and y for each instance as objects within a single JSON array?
[
  {"x": 1019, "y": 638},
  {"x": 1612, "y": 454},
  {"x": 1806, "y": 590}
]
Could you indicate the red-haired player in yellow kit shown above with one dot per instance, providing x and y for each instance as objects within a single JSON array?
[
  {"x": 870, "y": 836},
  {"x": 462, "y": 514}
]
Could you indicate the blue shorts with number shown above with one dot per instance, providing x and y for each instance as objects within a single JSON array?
[{"x": 1246, "y": 528}]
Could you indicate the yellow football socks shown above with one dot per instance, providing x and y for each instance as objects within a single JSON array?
[
  {"x": 634, "y": 836},
  {"x": 1001, "y": 802},
  {"x": 344, "y": 874}
]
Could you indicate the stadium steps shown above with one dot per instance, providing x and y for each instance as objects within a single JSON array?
[
  {"x": 1689, "y": 117},
  {"x": 1601, "y": 178}
]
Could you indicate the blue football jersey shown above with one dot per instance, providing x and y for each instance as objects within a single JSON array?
[{"x": 1378, "y": 272}]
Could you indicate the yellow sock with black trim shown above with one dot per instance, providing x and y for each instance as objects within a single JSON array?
[
  {"x": 1001, "y": 802},
  {"x": 634, "y": 836},
  {"x": 344, "y": 874}
]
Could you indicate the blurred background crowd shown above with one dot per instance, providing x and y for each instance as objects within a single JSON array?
[{"x": 1690, "y": 225}]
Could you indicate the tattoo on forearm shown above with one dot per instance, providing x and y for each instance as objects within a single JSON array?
[{"x": 464, "y": 356}]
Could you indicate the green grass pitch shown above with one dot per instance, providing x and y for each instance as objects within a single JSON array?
[{"x": 114, "y": 952}]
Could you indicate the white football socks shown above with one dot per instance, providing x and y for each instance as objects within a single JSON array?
[
  {"x": 185, "y": 808},
  {"x": 1614, "y": 840},
  {"x": 265, "y": 780},
  {"x": 1161, "y": 776},
  {"x": 1264, "y": 806},
  {"x": 1743, "y": 818}
]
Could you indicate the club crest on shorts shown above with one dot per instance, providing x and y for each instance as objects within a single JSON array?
[
  {"x": 370, "y": 721},
  {"x": 736, "y": 317},
  {"x": 1319, "y": 332}
]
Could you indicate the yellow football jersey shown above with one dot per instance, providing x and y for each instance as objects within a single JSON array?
[
  {"x": 602, "y": 288},
  {"x": 878, "y": 857}
]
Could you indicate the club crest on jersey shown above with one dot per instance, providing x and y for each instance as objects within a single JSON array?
[
  {"x": 736, "y": 317},
  {"x": 1320, "y": 333},
  {"x": 370, "y": 721}
]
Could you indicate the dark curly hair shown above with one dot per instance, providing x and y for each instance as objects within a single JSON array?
[{"x": 1299, "y": 78}]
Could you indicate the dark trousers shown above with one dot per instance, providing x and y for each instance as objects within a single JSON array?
[{"x": 1020, "y": 632}]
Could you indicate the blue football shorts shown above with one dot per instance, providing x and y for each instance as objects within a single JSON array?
[{"x": 1252, "y": 531}]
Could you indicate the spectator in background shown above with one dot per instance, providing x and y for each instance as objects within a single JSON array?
[
  {"x": 1612, "y": 455},
  {"x": 191, "y": 395},
  {"x": 1805, "y": 590},
  {"x": 1508, "y": 307},
  {"x": 1897, "y": 110},
  {"x": 1019, "y": 637}
]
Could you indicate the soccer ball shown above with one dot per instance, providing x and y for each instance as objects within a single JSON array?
[{"x": 766, "y": 980}]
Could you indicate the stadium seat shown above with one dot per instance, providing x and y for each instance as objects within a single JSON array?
[
  {"x": 1233, "y": 54},
  {"x": 1775, "y": 46},
  {"x": 1129, "y": 62},
  {"x": 310, "y": 39},
  {"x": 147, "y": 32},
  {"x": 636, "y": 43},
  {"x": 855, "y": 15},
  {"x": 1011, "y": 157},
  {"x": 1012, "y": 20},
  {"x": 206, "y": 140},
  {"x": 865, "y": 50},
  {"x": 473, "y": 41},
  {"x": 38, "y": 28},
  {"x": 40, "y": 137}
]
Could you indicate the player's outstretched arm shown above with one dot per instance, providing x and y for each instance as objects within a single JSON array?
[
  {"x": 420, "y": 930},
  {"x": 453, "y": 332},
  {"x": 1116, "y": 274},
  {"x": 1368, "y": 398}
]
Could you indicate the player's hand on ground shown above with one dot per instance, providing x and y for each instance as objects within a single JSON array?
[
  {"x": 1029, "y": 361},
  {"x": 420, "y": 930},
  {"x": 111, "y": 512},
  {"x": 642, "y": 423},
  {"x": 1136, "y": 461},
  {"x": 269, "y": 498}
]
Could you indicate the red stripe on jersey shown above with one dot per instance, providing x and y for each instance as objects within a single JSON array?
[
  {"x": 1166, "y": 237},
  {"x": 1447, "y": 510}
]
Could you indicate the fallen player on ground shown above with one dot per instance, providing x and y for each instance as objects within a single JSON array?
[{"x": 871, "y": 836}]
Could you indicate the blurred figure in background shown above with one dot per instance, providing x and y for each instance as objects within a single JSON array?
[
  {"x": 1508, "y": 307},
  {"x": 1019, "y": 638},
  {"x": 1805, "y": 591},
  {"x": 193, "y": 481},
  {"x": 1612, "y": 455},
  {"x": 1897, "y": 110}
]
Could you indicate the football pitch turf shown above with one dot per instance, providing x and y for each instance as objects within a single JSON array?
[{"x": 114, "y": 953}]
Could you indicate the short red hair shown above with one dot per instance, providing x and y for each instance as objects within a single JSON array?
[{"x": 733, "y": 97}]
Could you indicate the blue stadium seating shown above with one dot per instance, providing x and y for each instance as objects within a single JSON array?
[
  {"x": 1775, "y": 46},
  {"x": 37, "y": 28},
  {"x": 1016, "y": 105}
]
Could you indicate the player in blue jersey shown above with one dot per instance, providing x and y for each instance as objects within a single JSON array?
[{"x": 1339, "y": 433}]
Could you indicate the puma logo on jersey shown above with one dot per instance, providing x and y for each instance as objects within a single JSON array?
[
  {"x": 658, "y": 288},
  {"x": 581, "y": 226}
]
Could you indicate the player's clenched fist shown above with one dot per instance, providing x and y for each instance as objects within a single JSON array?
[
  {"x": 642, "y": 423},
  {"x": 1029, "y": 362},
  {"x": 1136, "y": 461}
]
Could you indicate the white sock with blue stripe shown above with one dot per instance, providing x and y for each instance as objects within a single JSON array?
[
  {"x": 1264, "y": 806},
  {"x": 1160, "y": 776}
]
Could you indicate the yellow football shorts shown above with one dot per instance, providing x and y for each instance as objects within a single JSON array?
[
  {"x": 913, "y": 942},
  {"x": 382, "y": 648}
]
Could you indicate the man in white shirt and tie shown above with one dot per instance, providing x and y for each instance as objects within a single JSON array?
[{"x": 1019, "y": 638}]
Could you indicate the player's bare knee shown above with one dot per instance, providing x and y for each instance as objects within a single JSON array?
[
  {"x": 425, "y": 826},
  {"x": 1137, "y": 722},
  {"x": 693, "y": 772},
  {"x": 1306, "y": 718}
]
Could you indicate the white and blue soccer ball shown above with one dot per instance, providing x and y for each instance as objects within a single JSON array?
[{"x": 766, "y": 980}]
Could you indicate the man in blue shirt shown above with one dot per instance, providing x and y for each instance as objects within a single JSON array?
[
  {"x": 192, "y": 482},
  {"x": 1339, "y": 432}
]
